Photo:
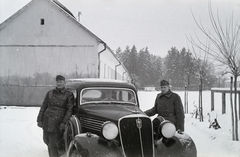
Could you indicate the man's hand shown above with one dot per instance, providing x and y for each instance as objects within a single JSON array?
[
  {"x": 62, "y": 127},
  {"x": 40, "y": 124}
]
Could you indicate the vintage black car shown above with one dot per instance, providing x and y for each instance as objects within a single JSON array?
[{"x": 108, "y": 122}]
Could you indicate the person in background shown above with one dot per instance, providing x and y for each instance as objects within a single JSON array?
[
  {"x": 53, "y": 115},
  {"x": 169, "y": 106},
  {"x": 108, "y": 95}
]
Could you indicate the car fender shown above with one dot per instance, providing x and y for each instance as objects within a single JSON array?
[
  {"x": 88, "y": 144},
  {"x": 183, "y": 146}
]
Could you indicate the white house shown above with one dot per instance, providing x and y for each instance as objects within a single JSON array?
[{"x": 45, "y": 37}]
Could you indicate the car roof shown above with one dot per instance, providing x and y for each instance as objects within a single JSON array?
[{"x": 96, "y": 82}]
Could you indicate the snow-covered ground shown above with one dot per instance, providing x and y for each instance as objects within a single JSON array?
[
  {"x": 209, "y": 142},
  {"x": 20, "y": 136}
]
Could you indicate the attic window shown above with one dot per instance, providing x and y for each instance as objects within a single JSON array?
[{"x": 42, "y": 21}]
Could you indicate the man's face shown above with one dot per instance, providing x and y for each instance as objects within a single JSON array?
[
  {"x": 164, "y": 89},
  {"x": 60, "y": 83}
]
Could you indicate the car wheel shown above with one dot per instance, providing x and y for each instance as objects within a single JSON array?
[{"x": 73, "y": 128}]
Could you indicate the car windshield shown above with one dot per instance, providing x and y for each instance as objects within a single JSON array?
[{"x": 107, "y": 95}]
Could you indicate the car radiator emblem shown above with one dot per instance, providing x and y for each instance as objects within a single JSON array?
[{"x": 139, "y": 123}]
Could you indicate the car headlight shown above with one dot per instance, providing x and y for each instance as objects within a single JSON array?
[
  {"x": 168, "y": 129},
  {"x": 109, "y": 130}
]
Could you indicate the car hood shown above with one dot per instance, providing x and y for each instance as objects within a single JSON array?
[{"x": 110, "y": 111}]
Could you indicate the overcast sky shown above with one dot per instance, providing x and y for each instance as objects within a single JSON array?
[{"x": 156, "y": 24}]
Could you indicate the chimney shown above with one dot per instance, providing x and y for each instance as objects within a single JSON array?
[{"x": 79, "y": 14}]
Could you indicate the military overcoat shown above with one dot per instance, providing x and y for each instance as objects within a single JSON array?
[
  {"x": 56, "y": 109},
  {"x": 169, "y": 106}
]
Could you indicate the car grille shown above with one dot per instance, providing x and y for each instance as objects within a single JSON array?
[
  {"x": 136, "y": 136},
  {"x": 91, "y": 124}
]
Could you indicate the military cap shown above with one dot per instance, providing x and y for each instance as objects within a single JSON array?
[
  {"x": 60, "y": 77},
  {"x": 164, "y": 83}
]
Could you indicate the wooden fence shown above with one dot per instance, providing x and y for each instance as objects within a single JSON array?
[{"x": 223, "y": 91}]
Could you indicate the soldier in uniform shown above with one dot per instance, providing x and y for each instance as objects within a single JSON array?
[
  {"x": 54, "y": 114},
  {"x": 169, "y": 106}
]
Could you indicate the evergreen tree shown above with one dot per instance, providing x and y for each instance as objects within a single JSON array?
[
  {"x": 173, "y": 66},
  {"x": 132, "y": 66},
  {"x": 119, "y": 53},
  {"x": 157, "y": 70},
  {"x": 179, "y": 67},
  {"x": 125, "y": 57},
  {"x": 144, "y": 67}
]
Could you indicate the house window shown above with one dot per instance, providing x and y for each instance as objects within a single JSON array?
[{"x": 42, "y": 21}]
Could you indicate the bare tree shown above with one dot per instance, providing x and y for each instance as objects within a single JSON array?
[
  {"x": 231, "y": 104},
  {"x": 224, "y": 48},
  {"x": 202, "y": 66}
]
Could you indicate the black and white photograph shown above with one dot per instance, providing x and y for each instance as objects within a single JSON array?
[{"x": 119, "y": 78}]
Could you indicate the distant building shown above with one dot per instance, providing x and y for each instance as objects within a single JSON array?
[
  {"x": 149, "y": 88},
  {"x": 44, "y": 37}
]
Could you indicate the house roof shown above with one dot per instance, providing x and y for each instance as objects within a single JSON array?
[
  {"x": 59, "y": 6},
  {"x": 63, "y": 7}
]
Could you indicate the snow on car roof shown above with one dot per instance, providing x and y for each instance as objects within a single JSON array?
[{"x": 95, "y": 80}]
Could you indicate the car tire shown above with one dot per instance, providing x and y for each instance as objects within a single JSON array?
[{"x": 73, "y": 128}]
